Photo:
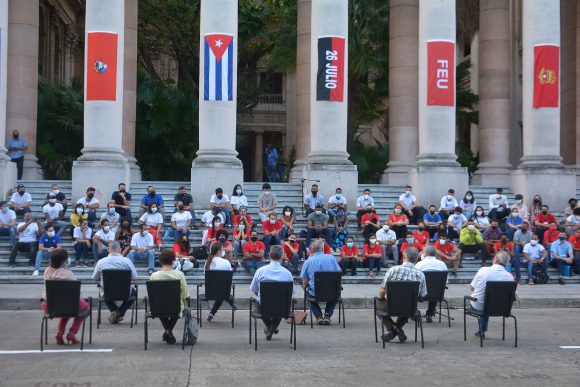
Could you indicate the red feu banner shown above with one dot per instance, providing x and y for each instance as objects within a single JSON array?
[
  {"x": 546, "y": 75},
  {"x": 440, "y": 73},
  {"x": 101, "y": 66}
]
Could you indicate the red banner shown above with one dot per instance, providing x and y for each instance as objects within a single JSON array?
[
  {"x": 330, "y": 75},
  {"x": 546, "y": 75},
  {"x": 101, "y": 66},
  {"x": 440, "y": 73}
]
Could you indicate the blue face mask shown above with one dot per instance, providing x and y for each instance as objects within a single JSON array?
[
  {"x": 468, "y": 197},
  {"x": 349, "y": 244},
  {"x": 411, "y": 240}
]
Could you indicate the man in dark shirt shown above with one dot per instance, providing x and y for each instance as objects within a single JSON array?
[
  {"x": 122, "y": 200},
  {"x": 187, "y": 200}
]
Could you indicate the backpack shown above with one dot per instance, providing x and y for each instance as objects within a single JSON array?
[
  {"x": 191, "y": 329},
  {"x": 199, "y": 253},
  {"x": 541, "y": 278}
]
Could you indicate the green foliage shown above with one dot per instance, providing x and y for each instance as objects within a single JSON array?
[
  {"x": 467, "y": 159},
  {"x": 466, "y": 107},
  {"x": 60, "y": 128},
  {"x": 371, "y": 161},
  {"x": 290, "y": 163}
]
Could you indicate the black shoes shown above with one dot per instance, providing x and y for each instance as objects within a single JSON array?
[
  {"x": 402, "y": 335},
  {"x": 429, "y": 319},
  {"x": 390, "y": 335},
  {"x": 170, "y": 339},
  {"x": 478, "y": 334},
  {"x": 561, "y": 281}
]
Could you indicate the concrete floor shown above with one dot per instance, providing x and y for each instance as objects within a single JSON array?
[{"x": 326, "y": 355}]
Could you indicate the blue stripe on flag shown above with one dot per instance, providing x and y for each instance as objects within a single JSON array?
[
  {"x": 230, "y": 70},
  {"x": 218, "y": 80},
  {"x": 206, "y": 71}
]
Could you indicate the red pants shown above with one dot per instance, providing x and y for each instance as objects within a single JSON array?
[
  {"x": 156, "y": 236},
  {"x": 76, "y": 325}
]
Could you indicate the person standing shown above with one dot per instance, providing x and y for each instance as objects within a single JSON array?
[{"x": 16, "y": 147}]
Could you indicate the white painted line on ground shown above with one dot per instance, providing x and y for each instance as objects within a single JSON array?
[
  {"x": 54, "y": 351},
  {"x": 570, "y": 346}
]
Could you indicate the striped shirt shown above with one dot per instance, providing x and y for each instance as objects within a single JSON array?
[{"x": 406, "y": 272}]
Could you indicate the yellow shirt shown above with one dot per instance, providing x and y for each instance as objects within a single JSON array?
[
  {"x": 75, "y": 219},
  {"x": 470, "y": 237},
  {"x": 173, "y": 275}
]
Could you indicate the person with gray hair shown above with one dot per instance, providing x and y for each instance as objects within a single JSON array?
[
  {"x": 404, "y": 272},
  {"x": 318, "y": 262},
  {"x": 429, "y": 262},
  {"x": 496, "y": 272},
  {"x": 116, "y": 261}
]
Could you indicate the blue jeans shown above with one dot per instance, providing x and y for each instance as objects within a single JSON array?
[
  {"x": 251, "y": 265},
  {"x": 292, "y": 264},
  {"x": 270, "y": 240},
  {"x": 92, "y": 216},
  {"x": 515, "y": 265},
  {"x": 315, "y": 308},
  {"x": 483, "y": 322},
  {"x": 283, "y": 233},
  {"x": 176, "y": 234},
  {"x": 112, "y": 305},
  {"x": 148, "y": 255},
  {"x": 39, "y": 257},
  {"x": 238, "y": 246},
  {"x": 81, "y": 248},
  {"x": 96, "y": 254},
  {"x": 326, "y": 232},
  {"x": 374, "y": 262},
  {"x": 531, "y": 265},
  {"x": 271, "y": 172},
  {"x": 10, "y": 232},
  {"x": 227, "y": 216}
]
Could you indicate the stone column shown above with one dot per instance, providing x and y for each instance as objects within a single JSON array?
[
  {"x": 216, "y": 164},
  {"x": 437, "y": 169},
  {"x": 494, "y": 93},
  {"x": 258, "y": 161},
  {"x": 577, "y": 117},
  {"x": 7, "y": 168},
  {"x": 328, "y": 160},
  {"x": 22, "y": 82},
  {"x": 541, "y": 170},
  {"x": 403, "y": 90},
  {"x": 130, "y": 87},
  {"x": 102, "y": 164},
  {"x": 302, "y": 88}
]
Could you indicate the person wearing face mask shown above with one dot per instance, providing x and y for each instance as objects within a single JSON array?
[
  {"x": 495, "y": 200},
  {"x": 479, "y": 219},
  {"x": 536, "y": 258},
  {"x": 372, "y": 254},
  {"x": 471, "y": 241},
  {"x": 410, "y": 241},
  {"x": 253, "y": 253},
  {"x": 187, "y": 201},
  {"x": 124, "y": 236},
  {"x": 398, "y": 222},
  {"x": 550, "y": 236},
  {"x": 349, "y": 258},
  {"x": 513, "y": 223},
  {"x": 101, "y": 240},
  {"x": 77, "y": 216},
  {"x": 243, "y": 214},
  {"x": 238, "y": 199},
  {"x": 448, "y": 204},
  {"x": 362, "y": 204},
  {"x": 222, "y": 202},
  {"x": 468, "y": 204},
  {"x": 7, "y": 222},
  {"x": 387, "y": 239},
  {"x": 575, "y": 242},
  {"x": 82, "y": 236},
  {"x": 267, "y": 202},
  {"x": 522, "y": 237},
  {"x": 432, "y": 220},
  {"x": 340, "y": 230},
  {"x": 210, "y": 235},
  {"x": 216, "y": 261},
  {"x": 573, "y": 222},
  {"x": 287, "y": 220},
  {"x": 180, "y": 221},
  {"x": 154, "y": 220},
  {"x": 151, "y": 197},
  {"x": 421, "y": 236},
  {"x": 49, "y": 241},
  {"x": 409, "y": 206},
  {"x": 535, "y": 207},
  {"x": 455, "y": 223},
  {"x": 184, "y": 260},
  {"x": 312, "y": 200},
  {"x": 521, "y": 207},
  {"x": 16, "y": 147},
  {"x": 291, "y": 255},
  {"x": 142, "y": 247},
  {"x": 448, "y": 253},
  {"x": 317, "y": 225},
  {"x": 54, "y": 213},
  {"x": 91, "y": 204},
  {"x": 111, "y": 216},
  {"x": 21, "y": 200},
  {"x": 271, "y": 232},
  {"x": 572, "y": 204},
  {"x": 543, "y": 220},
  {"x": 227, "y": 246},
  {"x": 122, "y": 200},
  {"x": 370, "y": 222},
  {"x": 336, "y": 201},
  {"x": 491, "y": 235},
  {"x": 563, "y": 254},
  {"x": 241, "y": 236},
  {"x": 60, "y": 197},
  {"x": 505, "y": 245}
]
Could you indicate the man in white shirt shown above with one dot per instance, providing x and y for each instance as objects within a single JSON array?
[
  {"x": 430, "y": 263},
  {"x": 82, "y": 236},
  {"x": 21, "y": 200},
  {"x": 222, "y": 202},
  {"x": 361, "y": 205},
  {"x": 116, "y": 261},
  {"x": 496, "y": 272},
  {"x": 7, "y": 222},
  {"x": 455, "y": 223},
  {"x": 112, "y": 216},
  {"x": 28, "y": 231},
  {"x": 496, "y": 201},
  {"x": 335, "y": 201},
  {"x": 409, "y": 203},
  {"x": 91, "y": 204},
  {"x": 142, "y": 247},
  {"x": 54, "y": 213},
  {"x": 448, "y": 204},
  {"x": 387, "y": 239},
  {"x": 102, "y": 239},
  {"x": 535, "y": 254},
  {"x": 181, "y": 221}
]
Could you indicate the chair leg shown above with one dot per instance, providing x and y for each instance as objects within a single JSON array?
[
  {"x": 421, "y": 326},
  {"x": 133, "y": 313},
  {"x": 250, "y": 321},
  {"x": 294, "y": 324},
  {"x": 503, "y": 329},
  {"x": 311, "y": 323},
  {"x": 46, "y": 333},
  {"x": 382, "y": 332},
  {"x": 255, "y": 334},
  {"x": 184, "y": 331},
  {"x": 200, "y": 306},
  {"x": 90, "y": 323},
  {"x": 516, "y": 330},
  {"x": 440, "y": 311},
  {"x": 416, "y": 326},
  {"x": 343, "y": 315},
  {"x": 233, "y": 315},
  {"x": 291, "y": 330},
  {"x": 464, "y": 325},
  {"x": 42, "y": 334},
  {"x": 375, "y": 318},
  {"x": 448, "y": 313},
  {"x": 145, "y": 333},
  {"x": 83, "y": 334},
  {"x": 480, "y": 332},
  {"x": 339, "y": 312},
  {"x": 99, "y": 315}
]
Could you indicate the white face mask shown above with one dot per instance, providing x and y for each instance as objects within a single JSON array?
[
  {"x": 223, "y": 254},
  {"x": 471, "y": 227},
  {"x": 79, "y": 211},
  {"x": 154, "y": 210},
  {"x": 534, "y": 242},
  {"x": 372, "y": 240},
  {"x": 217, "y": 224},
  {"x": 106, "y": 229},
  {"x": 239, "y": 191},
  {"x": 242, "y": 226},
  {"x": 385, "y": 227},
  {"x": 266, "y": 193},
  {"x": 318, "y": 212},
  {"x": 52, "y": 200},
  {"x": 55, "y": 191},
  {"x": 50, "y": 234},
  {"x": 287, "y": 213},
  {"x": 449, "y": 197},
  {"x": 366, "y": 196},
  {"x": 68, "y": 261},
  {"x": 442, "y": 242},
  {"x": 479, "y": 213}
]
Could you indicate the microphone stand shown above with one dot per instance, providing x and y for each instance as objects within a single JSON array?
[{"x": 302, "y": 181}]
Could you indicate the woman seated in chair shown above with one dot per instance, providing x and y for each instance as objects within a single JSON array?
[
  {"x": 217, "y": 261},
  {"x": 58, "y": 270},
  {"x": 166, "y": 259}
]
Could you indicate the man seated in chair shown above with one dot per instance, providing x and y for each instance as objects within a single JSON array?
[
  {"x": 405, "y": 272},
  {"x": 496, "y": 272},
  {"x": 274, "y": 271},
  {"x": 430, "y": 263},
  {"x": 116, "y": 261}
]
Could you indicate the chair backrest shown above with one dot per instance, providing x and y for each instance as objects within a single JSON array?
[
  {"x": 164, "y": 297},
  {"x": 276, "y": 298},
  {"x": 499, "y": 298},
  {"x": 436, "y": 282},
  {"x": 116, "y": 284},
  {"x": 218, "y": 284},
  {"x": 327, "y": 285},
  {"x": 62, "y": 298},
  {"x": 402, "y": 298}
]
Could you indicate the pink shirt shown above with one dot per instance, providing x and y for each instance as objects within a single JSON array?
[{"x": 62, "y": 273}]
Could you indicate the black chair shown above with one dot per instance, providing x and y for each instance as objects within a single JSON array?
[
  {"x": 62, "y": 300},
  {"x": 499, "y": 299},
  {"x": 117, "y": 287},
  {"x": 275, "y": 302},
  {"x": 436, "y": 285},
  {"x": 402, "y": 298},
  {"x": 328, "y": 289},
  {"x": 218, "y": 286},
  {"x": 164, "y": 297}
]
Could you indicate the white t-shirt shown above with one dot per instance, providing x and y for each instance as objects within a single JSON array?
[
  {"x": 181, "y": 219},
  {"x": 534, "y": 252},
  {"x": 218, "y": 263},
  {"x": 383, "y": 236},
  {"x": 448, "y": 204},
  {"x": 152, "y": 220},
  {"x": 361, "y": 202},
  {"x": 215, "y": 200},
  {"x": 482, "y": 221},
  {"x": 110, "y": 236},
  {"x": 457, "y": 220},
  {"x": 20, "y": 200},
  {"x": 431, "y": 264},
  {"x": 407, "y": 200},
  {"x": 142, "y": 242},
  {"x": 495, "y": 201},
  {"x": 239, "y": 201},
  {"x": 52, "y": 211},
  {"x": 207, "y": 218},
  {"x": 7, "y": 217},
  {"x": 341, "y": 200},
  {"x": 29, "y": 234},
  {"x": 83, "y": 200},
  {"x": 109, "y": 217},
  {"x": 494, "y": 273},
  {"x": 77, "y": 233}
]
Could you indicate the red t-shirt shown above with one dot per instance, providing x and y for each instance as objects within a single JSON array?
[
  {"x": 287, "y": 251},
  {"x": 549, "y": 218},
  {"x": 551, "y": 236},
  {"x": 177, "y": 249},
  {"x": 269, "y": 226},
  {"x": 575, "y": 241},
  {"x": 253, "y": 248},
  {"x": 421, "y": 237},
  {"x": 367, "y": 249},
  {"x": 350, "y": 252},
  {"x": 367, "y": 217},
  {"x": 247, "y": 231},
  {"x": 248, "y": 220},
  {"x": 446, "y": 249},
  {"x": 211, "y": 234},
  {"x": 415, "y": 244},
  {"x": 326, "y": 249},
  {"x": 508, "y": 245},
  {"x": 397, "y": 218}
]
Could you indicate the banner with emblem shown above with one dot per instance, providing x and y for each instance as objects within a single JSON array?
[
  {"x": 440, "y": 73},
  {"x": 331, "y": 68},
  {"x": 101, "y": 65},
  {"x": 546, "y": 75},
  {"x": 218, "y": 67}
]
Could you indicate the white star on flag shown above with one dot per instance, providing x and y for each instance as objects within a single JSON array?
[{"x": 218, "y": 43}]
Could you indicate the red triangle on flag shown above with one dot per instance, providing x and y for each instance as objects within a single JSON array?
[{"x": 218, "y": 43}]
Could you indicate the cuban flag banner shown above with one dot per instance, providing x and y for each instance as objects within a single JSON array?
[{"x": 218, "y": 67}]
